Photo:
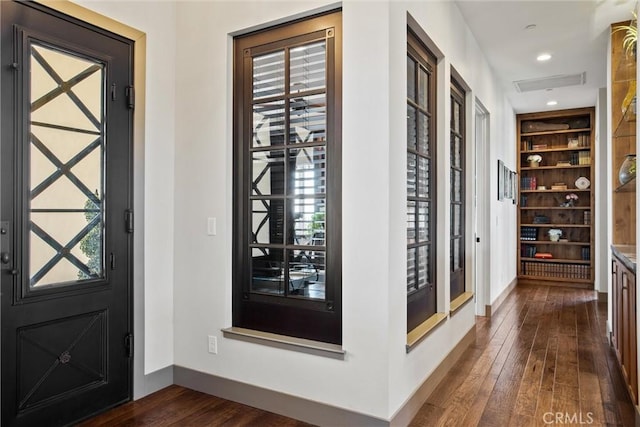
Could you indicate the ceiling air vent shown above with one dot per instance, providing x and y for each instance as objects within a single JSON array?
[{"x": 551, "y": 82}]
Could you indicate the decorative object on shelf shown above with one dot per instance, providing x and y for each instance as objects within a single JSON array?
[
  {"x": 627, "y": 169},
  {"x": 543, "y": 255},
  {"x": 559, "y": 186},
  {"x": 582, "y": 183},
  {"x": 534, "y": 160},
  {"x": 573, "y": 143},
  {"x": 541, "y": 219},
  {"x": 630, "y": 40},
  {"x": 542, "y": 187},
  {"x": 571, "y": 198},
  {"x": 554, "y": 234},
  {"x": 536, "y": 126}
]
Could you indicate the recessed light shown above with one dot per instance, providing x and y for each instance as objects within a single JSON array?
[
  {"x": 552, "y": 103},
  {"x": 543, "y": 57}
]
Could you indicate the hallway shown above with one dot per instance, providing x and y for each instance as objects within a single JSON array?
[{"x": 543, "y": 353}]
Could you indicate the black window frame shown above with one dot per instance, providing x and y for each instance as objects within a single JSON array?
[
  {"x": 422, "y": 302},
  {"x": 457, "y": 284},
  {"x": 314, "y": 319}
]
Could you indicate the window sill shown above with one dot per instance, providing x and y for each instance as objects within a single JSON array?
[
  {"x": 460, "y": 301},
  {"x": 285, "y": 342},
  {"x": 421, "y": 331}
]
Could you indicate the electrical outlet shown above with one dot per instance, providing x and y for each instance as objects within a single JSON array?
[{"x": 213, "y": 344}]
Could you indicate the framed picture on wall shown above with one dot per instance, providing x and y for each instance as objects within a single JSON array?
[{"x": 501, "y": 182}]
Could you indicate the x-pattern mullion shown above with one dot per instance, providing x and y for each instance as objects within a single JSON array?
[
  {"x": 62, "y": 251},
  {"x": 75, "y": 363},
  {"x": 64, "y": 169},
  {"x": 65, "y": 87}
]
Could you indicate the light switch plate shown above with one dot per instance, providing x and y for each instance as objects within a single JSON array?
[{"x": 211, "y": 226}]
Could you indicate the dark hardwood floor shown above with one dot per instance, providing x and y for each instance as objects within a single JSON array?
[{"x": 544, "y": 353}]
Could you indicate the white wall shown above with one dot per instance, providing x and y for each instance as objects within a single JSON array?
[
  {"x": 446, "y": 28},
  {"x": 157, "y": 20},
  {"x": 188, "y": 178}
]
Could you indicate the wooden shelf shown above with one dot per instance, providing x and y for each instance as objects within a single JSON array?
[
  {"x": 557, "y": 225},
  {"x": 572, "y": 190},
  {"x": 539, "y": 208},
  {"x": 555, "y": 167},
  {"x": 549, "y": 242},
  {"x": 558, "y": 260},
  {"x": 555, "y": 150},
  {"x": 629, "y": 187},
  {"x": 568, "y": 266},
  {"x": 627, "y": 124},
  {"x": 555, "y": 132}
]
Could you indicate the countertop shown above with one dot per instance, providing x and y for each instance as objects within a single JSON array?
[{"x": 626, "y": 254}]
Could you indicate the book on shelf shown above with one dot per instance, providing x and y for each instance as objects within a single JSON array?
[
  {"x": 563, "y": 163},
  {"x": 539, "y": 146},
  {"x": 553, "y": 269},
  {"x": 528, "y": 251},
  {"x": 584, "y": 158},
  {"x": 528, "y": 233},
  {"x": 526, "y": 145},
  {"x": 528, "y": 183},
  {"x": 559, "y": 186}
]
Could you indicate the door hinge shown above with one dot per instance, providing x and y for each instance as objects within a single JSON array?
[
  {"x": 128, "y": 220},
  {"x": 128, "y": 344},
  {"x": 131, "y": 97}
]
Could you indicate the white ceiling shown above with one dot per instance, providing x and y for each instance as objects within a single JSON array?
[{"x": 574, "y": 32}]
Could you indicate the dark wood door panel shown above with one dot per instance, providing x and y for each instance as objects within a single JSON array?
[{"x": 65, "y": 164}]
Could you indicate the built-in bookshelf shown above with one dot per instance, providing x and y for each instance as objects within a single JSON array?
[{"x": 555, "y": 210}]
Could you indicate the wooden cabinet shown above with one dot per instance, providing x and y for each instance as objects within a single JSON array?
[
  {"x": 556, "y": 194},
  {"x": 623, "y": 334}
]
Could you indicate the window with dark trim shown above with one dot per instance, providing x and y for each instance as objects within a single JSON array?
[
  {"x": 421, "y": 197},
  {"x": 287, "y": 180},
  {"x": 457, "y": 144}
]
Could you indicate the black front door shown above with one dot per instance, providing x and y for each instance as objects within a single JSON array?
[{"x": 65, "y": 242}]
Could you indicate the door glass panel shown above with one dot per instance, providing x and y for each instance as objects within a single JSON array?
[
  {"x": 423, "y": 266},
  {"x": 267, "y": 272},
  {"x": 306, "y": 274},
  {"x": 423, "y": 177},
  {"x": 66, "y": 163},
  {"x": 423, "y": 133},
  {"x": 267, "y": 169},
  {"x": 412, "y": 136},
  {"x": 307, "y": 67},
  {"x": 308, "y": 119},
  {"x": 411, "y": 269},
  {"x": 268, "y": 124},
  {"x": 411, "y": 78},
  {"x": 423, "y": 221},
  {"x": 411, "y": 174},
  {"x": 308, "y": 221},
  {"x": 267, "y": 221},
  {"x": 411, "y": 221},
  {"x": 268, "y": 75},
  {"x": 423, "y": 89}
]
